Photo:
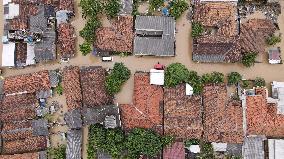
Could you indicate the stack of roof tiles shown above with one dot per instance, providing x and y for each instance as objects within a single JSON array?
[
  {"x": 66, "y": 40},
  {"x": 72, "y": 87},
  {"x": 93, "y": 87},
  {"x": 182, "y": 114},
  {"x": 146, "y": 110},
  {"x": 118, "y": 38},
  {"x": 222, "y": 119},
  {"x": 21, "y": 53},
  {"x": 262, "y": 117}
]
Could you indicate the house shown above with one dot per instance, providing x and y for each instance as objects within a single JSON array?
[
  {"x": 154, "y": 35},
  {"x": 174, "y": 151},
  {"x": 274, "y": 56},
  {"x": 94, "y": 92},
  {"x": 223, "y": 120},
  {"x": 219, "y": 42},
  {"x": 66, "y": 40},
  {"x": 147, "y": 108},
  {"x": 254, "y": 147},
  {"x": 74, "y": 143},
  {"x": 278, "y": 93},
  {"x": 72, "y": 87},
  {"x": 275, "y": 148},
  {"x": 73, "y": 119},
  {"x": 253, "y": 34},
  {"x": 67, "y": 5},
  {"x": 102, "y": 114},
  {"x": 182, "y": 113},
  {"x": 117, "y": 38},
  {"x": 34, "y": 155},
  {"x": 262, "y": 117}
]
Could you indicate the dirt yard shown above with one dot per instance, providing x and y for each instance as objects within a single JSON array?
[{"x": 183, "y": 55}]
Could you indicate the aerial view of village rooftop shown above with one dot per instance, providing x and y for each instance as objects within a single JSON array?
[{"x": 142, "y": 79}]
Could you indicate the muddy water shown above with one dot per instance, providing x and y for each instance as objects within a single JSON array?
[{"x": 183, "y": 55}]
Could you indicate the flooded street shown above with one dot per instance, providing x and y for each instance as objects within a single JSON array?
[{"x": 183, "y": 55}]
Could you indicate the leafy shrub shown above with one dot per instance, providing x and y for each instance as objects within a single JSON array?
[
  {"x": 88, "y": 32},
  {"x": 207, "y": 151},
  {"x": 197, "y": 29},
  {"x": 245, "y": 84},
  {"x": 259, "y": 82},
  {"x": 190, "y": 142},
  {"x": 175, "y": 74},
  {"x": 57, "y": 153},
  {"x": 214, "y": 77},
  {"x": 85, "y": 48},
  {"x": 144, "y": 142},
  {"x": 273, "y": 40},
  {"x": 178, "y": 7},
  {"x": 59, "y": 89},
  {"x": 195, "y": 81},
  {"x": 116, "y": 78},
  {"x": 248, "y": 59},
  {"x": 155, "y": 4},
  {"x": 91, "y": 8},
  {"x": 234, "y": 78},
  {"x": 112, "y": 8}
]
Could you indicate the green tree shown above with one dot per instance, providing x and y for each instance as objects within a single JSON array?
[
  {"x": 259, "y": 82},
  {"x": 57, "y": 153},
  {"x": 112, "y": 8},
  {"x": 175, "y": 74},
  {"x": 155, "y": 4},
  {"x": 91, "y": 8},
  {"x": 190, "y": 142},
  {"x": 273, "y": 40},
  {"x": 178, "y": 7},
  {"x": 207, "y": 151},
  {"x": 88, "y": 32},
  {"x": 85, "y": 48},
  {"x": 234, "y": 78},
  {"x": 245, "y": 84},
  {"x": 195, "y": 81},
  {"x": 143, "y": 142},
  {"x": 197, "y": 29},
  {"x": 114, "y": 81},
  {"x": 214, "y": 77},
  {"x": 248, "y": 59},
  {"x": 59, "y": 89}
]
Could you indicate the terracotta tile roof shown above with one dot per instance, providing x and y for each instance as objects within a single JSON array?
[
  {"x": 182, "y": 114},
  {"x": 72, "y": 88},
  {"x": 174, "y": 151},
  {"x": 222, "y": 118},
  {"x": 66, "y": 5},
  {"x": 93, "y": 87},
  {"x": 118, "y": 38},
  {"x": 262, "y": 117},
  {"x": 18, "y": 101},
  {"x": 18, "y": 135},
  {"x": 16, "y": 125},
  {"x": 217, "y": 14},
  {"x": 26, "y": 145},
  {"x": 66, "y": 40},
  {"x": 146, "y": 110},
  {"x": 18, "y": 24},
  {"x": 216, "y": 49},
  {"x": 18, "y": 114},
  {"x": 21, "y": 156},
  {"x": 29, "y": 82},
  {"x": 253, "y": 34},
  {"x": 21, "y": 52}
]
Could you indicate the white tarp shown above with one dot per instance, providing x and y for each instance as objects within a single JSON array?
[
  {"x": 14, "y": 10},
  {"x": 8, "y": 55},
  {"x": 188, "y": 89},
  {"x": 194, "y": 148},
  {"x": 6, "y": 1},
  {"x": 275, "y": 148},
  {"x": 219, "y": 147},
  {"x": 157, "y": 77},
  {"x": 30, "y": 55}
]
